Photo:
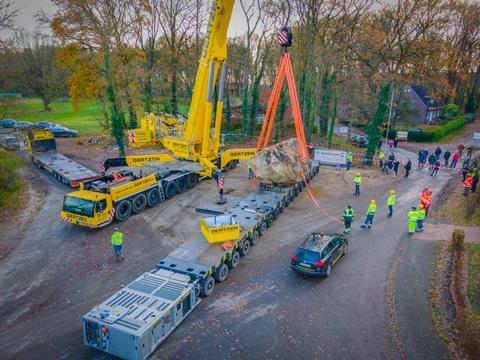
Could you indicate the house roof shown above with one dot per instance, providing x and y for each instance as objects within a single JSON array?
[{"x": 423, "y": 96}]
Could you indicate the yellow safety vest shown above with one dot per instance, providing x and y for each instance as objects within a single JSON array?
[
  {"x": 357, "y": 179},
  {"x": 372, "y": 209},
  {"x": 117, "y": 238},
  {"x": 412, "y": 216},
  {"x": 391, "y": 200}
]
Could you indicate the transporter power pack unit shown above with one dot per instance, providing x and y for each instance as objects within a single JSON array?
[{"x": 132, "y": 323}]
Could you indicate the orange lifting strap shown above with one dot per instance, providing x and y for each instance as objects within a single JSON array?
[{"x": 284, "y": 70}]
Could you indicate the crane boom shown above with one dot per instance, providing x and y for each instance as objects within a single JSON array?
[{"x": 196, "y": 139}]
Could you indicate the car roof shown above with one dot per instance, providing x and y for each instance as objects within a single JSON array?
[{"x": 316, "y": 242}]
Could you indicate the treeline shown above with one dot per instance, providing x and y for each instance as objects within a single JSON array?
[{"x": 132, "y": 55}]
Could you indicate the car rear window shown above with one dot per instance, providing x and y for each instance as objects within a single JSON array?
[{"x": 307, "y": 255}]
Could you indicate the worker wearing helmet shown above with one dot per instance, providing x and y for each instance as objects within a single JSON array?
[
  {"x": 391, "y": 202},
  {"x": 421, "y": 214},
  {"x": 358, "y": 181},
  {"x": 348, "y": 216},
  {"x": 372, "y": 209},
  {"x": 412, "y": 216}
]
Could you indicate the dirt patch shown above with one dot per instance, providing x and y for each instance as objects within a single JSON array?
[
  {"x": 13, "y": 224},
  {"x": 443, "y": 313}
]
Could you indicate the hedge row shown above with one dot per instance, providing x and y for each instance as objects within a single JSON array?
[{"x": 438, "y": 132}]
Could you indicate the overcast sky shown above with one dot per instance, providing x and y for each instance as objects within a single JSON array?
[{"x": 28, "y": 8}]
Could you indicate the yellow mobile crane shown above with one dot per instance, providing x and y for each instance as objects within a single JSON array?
[
  {"x": 195, "y": 139},
  {"x": 115, "y": 196}
]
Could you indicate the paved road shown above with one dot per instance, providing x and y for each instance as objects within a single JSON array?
[
  {"x": 264, "y": 310},
  {"x": 267, "y": 311}
]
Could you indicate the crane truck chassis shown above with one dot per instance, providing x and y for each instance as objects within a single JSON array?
[{"x": 132, "y": 323}]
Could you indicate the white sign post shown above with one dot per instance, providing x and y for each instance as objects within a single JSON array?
[{"x": 331, "y": 157}]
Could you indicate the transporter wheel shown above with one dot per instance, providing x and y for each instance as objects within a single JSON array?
[
  {"x": 221, "y": 273},
  {"x": 123, "y": 210},
  {"x": 192, "y": 180},
  {"x": 234, "y": 260},
  {"x": 276, "y": 212},
  {"x": 139, "y": 203},
  {"x": 254, "y": 237},
  {"x": 269, "y": 220},
  {"x": 234, "y": 164},
  {"x": 170, "y": 190},
  {"x": 207, "y": 285},
  {"x": 295, "y": 190},
  {"x": 262, "y": 228},
  {"x": 245, "y": 248},
  {"x": 181, "y": 184},
  {"x": 153, "y": 197}
]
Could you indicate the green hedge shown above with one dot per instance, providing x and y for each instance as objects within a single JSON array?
[{"x": 438, "y": 132}]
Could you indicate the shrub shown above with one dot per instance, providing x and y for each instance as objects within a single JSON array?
[
  {"x": 470, "y": 118},
  {"x": 438, "y": 132},
  {"x": 420, "y": 136},
  {"x": 450, "y": 111},
  {"x": 392, "y": 134}
]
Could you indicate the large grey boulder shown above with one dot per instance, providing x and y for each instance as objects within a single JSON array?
[{"x": 280, "y": 163}]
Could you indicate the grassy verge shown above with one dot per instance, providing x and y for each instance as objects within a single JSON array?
[
  {"x": 473, "y": 285},
  {"x": 12, "y": 186},
  {"x": 459, "y": 209},
  {"x": 87, "y": 120}
]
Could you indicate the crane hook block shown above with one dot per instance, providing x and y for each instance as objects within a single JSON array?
[{"x": 285, "y": 38}]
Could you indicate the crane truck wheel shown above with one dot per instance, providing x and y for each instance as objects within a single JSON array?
[
  {"x": 221, "y": 273},
  {"x": 192, "y": 180},
  {"x": 123, "y": 210},
  {"x": 207, "y": 285},
  {"x": 153, "y": 197},
  {"x": 269, "y": 220},
  {"x": 139, "y": 203},
  {"x": 262, "y": 228},
  {"x": 170, "y": 190},
  {"x": 245, "y": 248},
  {"x": 254, "y": 237},
  {"x": 181, "y": 184},
  {"x": 234, "y": 260}
]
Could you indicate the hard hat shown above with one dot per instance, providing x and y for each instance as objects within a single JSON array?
[
  {"x": 116, "y": 229},
  {"x": 372, "y": 201},
  {"x": 392, "y": 192},
  {"x": 414, "y": 208},
  {"x": 420, "y": 206},
  {"x": 357, "y": 174},
  {"x": 349, "y": 206}
]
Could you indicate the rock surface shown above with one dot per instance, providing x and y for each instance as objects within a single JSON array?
[{"x": 280, "y": 163}]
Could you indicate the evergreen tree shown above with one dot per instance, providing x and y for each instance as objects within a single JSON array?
[
  {"x": 373, "y": 130},
  {"x": 325, "y": 104},
  {"x": 116, "y": 115},
  {"x": 334, "y": 111}
]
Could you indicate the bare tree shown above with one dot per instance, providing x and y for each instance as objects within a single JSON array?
[
  {"x": 177, "y": 20},
  {"x": 7, "y": 18},
  {"x": 36, "y": 69}
]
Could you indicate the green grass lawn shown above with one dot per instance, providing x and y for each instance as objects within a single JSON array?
[{"x": 86, "y": 120}]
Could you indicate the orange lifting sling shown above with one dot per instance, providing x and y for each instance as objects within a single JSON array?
[{"x": 284, "y": 70}]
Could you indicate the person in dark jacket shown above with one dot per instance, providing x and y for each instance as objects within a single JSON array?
[
  {"x": 446, "y": 156},
  {"x": 431, "y": 160},
  {"x": 435, "y": 168},
  {"x": 396, "y": 164},
  {"x": 438, "y": 152},
  {"x": 395, "y": 142},
  {"x": 474, "y": 181},
  {"x": 408, "y": 167}
]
